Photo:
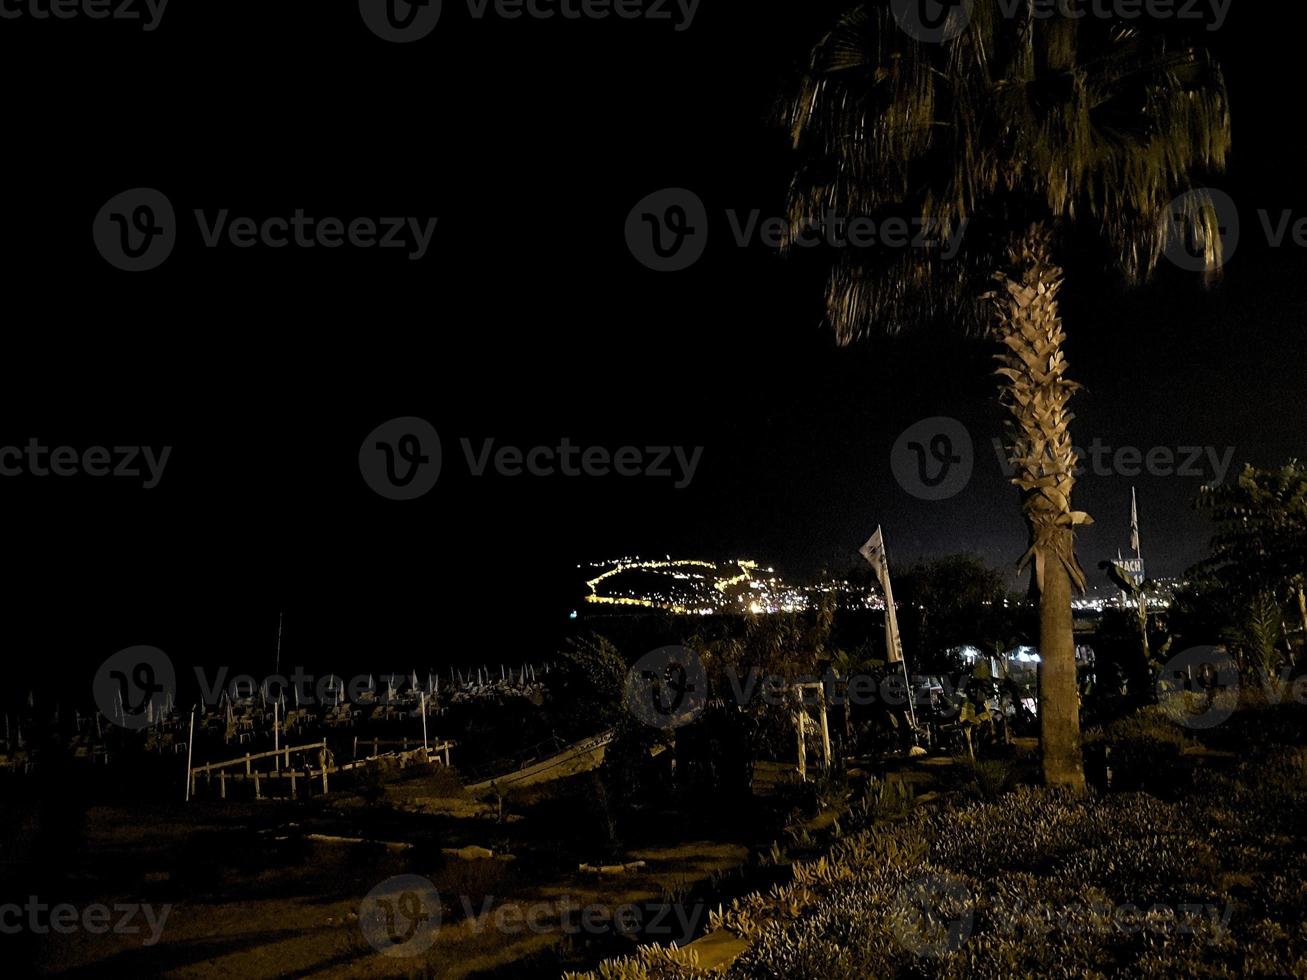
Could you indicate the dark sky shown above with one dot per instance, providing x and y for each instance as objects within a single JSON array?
[{"x": 528, "y": 321}]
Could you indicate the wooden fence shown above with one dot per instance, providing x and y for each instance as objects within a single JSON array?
[
  {"x": 245, "y": 769},
  {"x": 439, "y": 751},
  {"x": 282, "y": 769}
]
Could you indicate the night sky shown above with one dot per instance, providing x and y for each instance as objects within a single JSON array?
[{"x": 529, "y": 320}]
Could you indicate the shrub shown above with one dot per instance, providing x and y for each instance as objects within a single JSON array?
[{"x": 1145, "y": 751}]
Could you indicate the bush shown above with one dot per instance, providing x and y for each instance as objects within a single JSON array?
[
  {"x": 1144, "y": 752},
  {"x": 585, "y": 689},
  {"x": 984, "y": 779}
]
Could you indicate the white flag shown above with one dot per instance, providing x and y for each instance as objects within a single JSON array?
[
  {"x": 874, "y": 552},
  {"x": 1134, "y": 523}
]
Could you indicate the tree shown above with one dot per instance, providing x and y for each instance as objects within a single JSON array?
[
  {"x": 784, "y": 647},
  {"x": 1257, "y": 564},
  {"x": 1260, "y": 545},
  {"x": 1011, "y": 131},
  {"x": 951, "y": 602},
  {"x": 586, "y": 686}
]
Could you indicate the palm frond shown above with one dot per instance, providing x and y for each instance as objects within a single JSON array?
[{"x": 1018, "y": 120}]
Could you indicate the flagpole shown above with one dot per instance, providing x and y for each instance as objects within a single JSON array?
[
  {"x": 1134, "y": 541},
  {"x": 190, "y": 748},
  {"x": 423, "y": 707},
  {"x": 903, "y": 659},
  {"x": 1134, "y": 524},
  {"x": 875, "y": 553},
  {"x": 1120, "y": 564}
]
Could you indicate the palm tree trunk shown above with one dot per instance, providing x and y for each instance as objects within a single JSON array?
[
  {"x": 1036, "y": 393},
  {"x": 1059, "y": 692}
]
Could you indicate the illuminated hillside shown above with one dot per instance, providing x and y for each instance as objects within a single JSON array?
[{"x": 704, "y": 588}]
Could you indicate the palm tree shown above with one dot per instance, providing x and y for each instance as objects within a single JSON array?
[
  {"x": 1260, "y": 548},
  {"x": 1017, "y": 130}
]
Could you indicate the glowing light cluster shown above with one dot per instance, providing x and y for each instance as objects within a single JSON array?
[{"x": 704, "y": 588}]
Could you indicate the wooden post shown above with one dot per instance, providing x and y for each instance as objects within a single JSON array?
[
  {"x": 322, "y": 761},
  {"x": 424, "y": 723},
  {"x": 803, "y": 750},
  {"x": 825, "y": 728},
  {"x": 222, "y": 783},
  {"x": 258, "y": 789},
  {"x": 276, "y": 737},
  {"x": 292, "y": 784},
  {"x": 247, "y": 763}
]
